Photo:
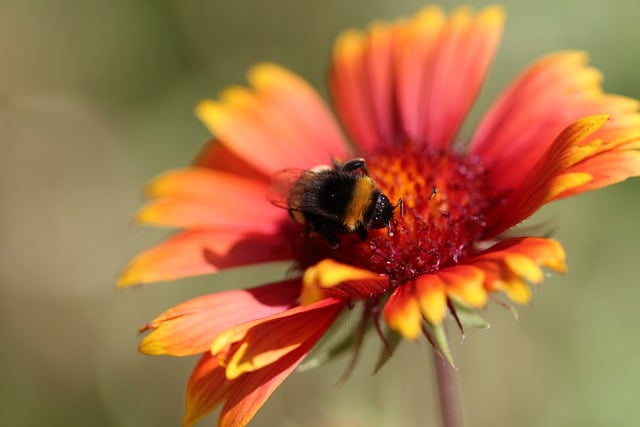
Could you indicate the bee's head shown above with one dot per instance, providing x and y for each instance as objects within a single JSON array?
[{"x": 381, "y": 212}]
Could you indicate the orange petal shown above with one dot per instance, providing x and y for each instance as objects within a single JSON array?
[
  {"x": 432, "y": 298},
  {"x": 190, "y": 327},
  {"x": 216, "y": 156},
  {"x": 297, "y": 103},
  {"x": 402, "y": 312},
  {"x": 276, "y": 126},
  {"x": 197, "y": 183},
  {"x": 329, "y": 278},
  {"x": 253, "y": 345},
  {"x": 521, "y": 126},
  {"x": 466, "y": 283},
  {"x": 207, "y": 389},
  {"x": 191, "y": 253},
  {"x": 255, "y": 216}
]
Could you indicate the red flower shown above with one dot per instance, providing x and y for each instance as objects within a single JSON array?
[{"x": 402, "y": 91}]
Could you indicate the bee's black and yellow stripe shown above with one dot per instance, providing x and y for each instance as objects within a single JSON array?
[{"x": 359, "y": 204}]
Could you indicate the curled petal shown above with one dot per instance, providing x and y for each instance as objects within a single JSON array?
[
  {"x": 523, "y": 124},
  {"x": 544, "y": 181},
  {"x": 190, "y": 327},
  {"x": 508, "y": 264},
  {"x": 251, "y": 346},
  {"x": 329, "y": 278}
]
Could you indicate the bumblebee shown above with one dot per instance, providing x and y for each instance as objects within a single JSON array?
[{"x": 342, "y": 199}]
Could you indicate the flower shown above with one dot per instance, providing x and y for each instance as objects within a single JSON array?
[{"x": 402, "y": 91}]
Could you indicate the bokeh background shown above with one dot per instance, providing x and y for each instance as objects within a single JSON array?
[{"x": 96, "y": 98}]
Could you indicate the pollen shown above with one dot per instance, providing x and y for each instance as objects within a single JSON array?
[{"x": 438, "y": 224}]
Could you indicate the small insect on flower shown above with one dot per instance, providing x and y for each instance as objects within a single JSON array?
[{"x": 331, "y": 200}]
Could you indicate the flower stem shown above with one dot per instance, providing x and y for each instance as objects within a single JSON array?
[{"x": 450, "y": 407}]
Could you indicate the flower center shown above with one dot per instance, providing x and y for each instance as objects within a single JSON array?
[{"x": 444, "y": 199}]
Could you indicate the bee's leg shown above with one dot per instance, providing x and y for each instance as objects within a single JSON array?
[
  {"x": 362, "y": 233},
  {"x": 327, "y": 232}
]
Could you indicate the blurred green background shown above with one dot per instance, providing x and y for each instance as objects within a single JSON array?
[{"x": 96, "y": 98}]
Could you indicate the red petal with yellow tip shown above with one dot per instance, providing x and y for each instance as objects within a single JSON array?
[
  {"x": 402, "y": 312},
  {"x": 250, "y": 391},
  {"x": 544, "y": 181},
  {"x": 250, "y": 346},
  {"x": 196, "y": 252},
  {"x": 432, "y": 298},
  {"x": 329, "y": 278},
  {"x": 522, "y": 125},
  {"x": 190, "y": 327},
  {"x": 466, "y": 283}
]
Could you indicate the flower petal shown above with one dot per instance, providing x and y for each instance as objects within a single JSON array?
[
  {"x": 428, "y": 70},
  {"x": 507, "y": 263},
  {"x": 190, "y": 327},
  {"x": 250, "y": 391},
  {"x": 350, "y": 91},
  {"x": 418, "y": 41},
  {"x": 253, "y": 345},
  {"x": 542, "y": 185},
  {"x": 521, "y": 126},
  {"x": 616, "y": 158},
  {"x": 457, "y": 67},
  {"x": 432, "y": 298},
  {"x": 207, "y": 388},
  {"x": 280, "y": 124},
  {"x": 196, "y": 252},
  {"x": 402, "y": 312},
  {"x": 214, "y": 155},
  {"x": 466, "y": 283},
  {"x": 204, "y": 198},
  {"x": 329, "y": 278}
]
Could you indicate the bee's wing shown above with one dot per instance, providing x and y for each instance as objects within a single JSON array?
[{"x": 283, "y": 185}]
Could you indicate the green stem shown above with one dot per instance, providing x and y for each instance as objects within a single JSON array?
[{"x": 450, "y": 407}]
